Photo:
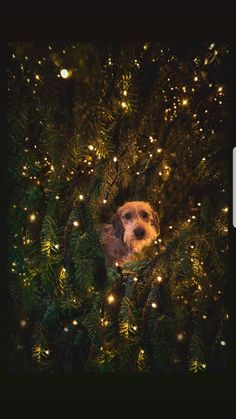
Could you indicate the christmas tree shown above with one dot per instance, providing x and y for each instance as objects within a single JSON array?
[{"x": 90, "y": 127}]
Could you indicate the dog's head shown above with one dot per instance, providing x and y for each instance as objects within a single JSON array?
[{"x": 137, "y": 224}]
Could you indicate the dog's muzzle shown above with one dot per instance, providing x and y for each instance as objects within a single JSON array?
[{"x": 139, "y": 233}]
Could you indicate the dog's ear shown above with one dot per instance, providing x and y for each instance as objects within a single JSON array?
[
  {"x": 118, "y": 227},
  {"x": 156, "y": 221}
]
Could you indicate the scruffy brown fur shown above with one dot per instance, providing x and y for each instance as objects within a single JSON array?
[{"x": 134, "y": 226}]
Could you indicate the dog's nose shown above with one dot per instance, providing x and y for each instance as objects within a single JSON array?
[{"x": 139, "y": 232}]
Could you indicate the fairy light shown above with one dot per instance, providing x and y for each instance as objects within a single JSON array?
[
  {"x": 104, "y": 201},
  {"x": 81, "y": 197},
  {"x": 32, "y": 217},
  {"x": 159, "y": 278},
  {"x": 90, "y": 147},
  {"x": 185, "y": 102},
  {"x": 64, "y": 73},
  {"x": 159, "y": 150},
  {"x": 225, "y": 209},
  {"x": 124, "y": 105},
  {"x": 135, "y": 279},
  {"x": 75, "y": 223},
  {"x": 125, "y": 92},
  {"x": 154, "y": 305},
  {"x": 180, "y": 336},
  {"x": 47, "y": 351},
  {"x": 66, "y": 329},
  {"x": 199, "y": 204},
  {"x": 57, "y": 197},
  {"x": 196, "y": 78},
  {"x": 204, "y": 316},
  {"x": 23, "y": 323},
  {"x": 170, "y": 227},
  {"x": 74, "y": 322},
  {"x": 115, "y": 159},
  {"x": 220, "y": 89},
  {"x": 110, "y": 298},
  {"x": 223, "y": 343}
]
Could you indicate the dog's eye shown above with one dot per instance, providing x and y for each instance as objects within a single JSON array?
[
  {"x": 128, "y": 216},
  {"x": 144, "y": 214}
]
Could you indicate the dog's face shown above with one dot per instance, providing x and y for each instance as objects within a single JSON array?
[{"x": 137, "y": 224}]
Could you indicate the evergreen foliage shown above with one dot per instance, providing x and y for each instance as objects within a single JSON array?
[{"x": 132, "y": 121}]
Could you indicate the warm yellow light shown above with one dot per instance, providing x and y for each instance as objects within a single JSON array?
[
  {"x": 184, "y": 102},
  {"x": 154, "y": 305},
  {"x": 81, "y": 197},
  {"x": 90, "y": 147},
  {"x": 159, "y": 150},
  {"x": 170, "y": 227},
  {"x": 180, "y": 336},
  {"x": 199, "y": 204},
  {"x": 116, "y": 264},
  {"x": 32, "y": 217},
  {"x": 196, "y": 78},
  {"x": 57, "y": 197},
  {"x": 110, "y": 298},
  {"x": 74, "y": 322},
  {"x": 23, "y": 323},
  {"x": 104, "y": 201},
  {"x": 76, "y": 224},
  {"x": 220, "y": 89},
  {"x": 124, "y": 105},
  {"x": 66, "y": 329},
  {"x": 37, "y": 77},
  {"x": 125, "y": 92},
  {"x": 222, "y": 343},
  {"x": 225, "y": 209},
  {"x": 159, "y": 278},
  {"x": 64, "y": 73},
  {"x": 115, "y": 159},
  {"x": 135, "y": 279}
]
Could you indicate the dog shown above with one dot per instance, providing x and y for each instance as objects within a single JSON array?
[{"x": 134, "y": 226}]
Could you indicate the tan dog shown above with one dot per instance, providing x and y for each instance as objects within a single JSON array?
[{"x": 134, "y": 226}]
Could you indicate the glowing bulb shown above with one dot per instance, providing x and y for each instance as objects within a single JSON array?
[
  {"x": 135, "y": 279},
  {"x": 117, "y": 264},
  {"x": 90, "y": 147},
  {"x": 159, "y": 278},
  {"x": 81, "y": 197},
  {"x": 180, "y": 336},
  {"x": 110, "y": 298},
  {"x": 222, "y": 343},
  {"x": 204, "y": 316},
  {"x": 115, "y": 159},
  {"x": 225, "y": 209},
  {"x": 199, "y": 204},
  {"x": 170, "y": 227},
  {"x": 57, "y": 197},
  {"x": 74, "y": 322},
  {"x": 104, "y": 201},
  {"x": 135, "y": 327},
  {"x": 142, "y": 351},
  {"x": 125, "y": 92},
  {"x": 154, "y": 305},
  {"x": 66, "y": 329},
  {"x": 184, "y": 102},
  {"x": 193, "y": 217},
  {"x": 64, "y": 73},
  {"x": 220, "y": 89},
  {"x": 32, "y": 217},
  {"x": 37, "y": 77},
  {"x": 76, "y": 224},
  {"x": 124, "y": 105},
  {"x": 196, "y": 78},
  {"x": 47, "y": 352},
  {"x": 159, "y": 150},
  {"x": 23, "y": 323}
]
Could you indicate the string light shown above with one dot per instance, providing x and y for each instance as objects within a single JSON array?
[
  {"x": 115, "y": 159},
  {"x": 159, "y": 278},
  {"x": 159, "y": 150},
  {"x": 57, "y": 197},
  {"x": 125, "y": 92},
  {"x": 104, "y": 201},
  {"x": 32, "y": 217},
  {"x": 81, "y": 197},
  {"x": 90, "y": 147},
  {"x": 75, "y": 223},
  {"x": 184, "y": 102},
  {"x": 116, "y": 264},
  {"x": 66, "y": 329},
  {"x": 135, "y": 279},
  {"x": 74, "y": 322},
  {"x": 110, "y": 298},
  {"x": 180, "y": 336},
  {"x": 124, "y": 104},
  {"x": 64, "y": 73},
  {"x": 23, "y": 323},
  {"x": 223, "y": 343},
  {"x": 154, "y": 305},
  {"x": 225, "y": 209}
]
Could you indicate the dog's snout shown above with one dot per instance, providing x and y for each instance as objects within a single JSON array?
[{"x": 139, "y": 232}]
